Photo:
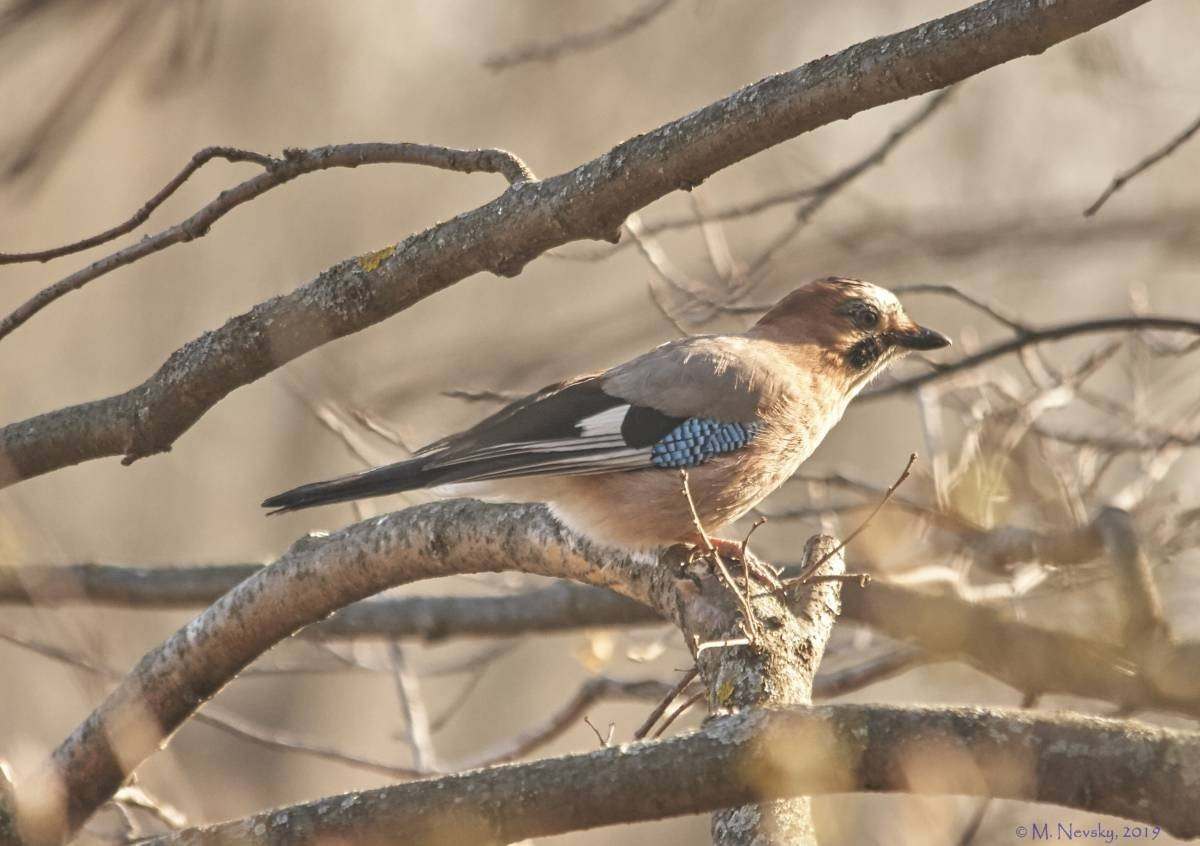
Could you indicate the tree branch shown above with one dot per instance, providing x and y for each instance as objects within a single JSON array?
[
  {"x": 777, "y": 669},
  {"x": 1102, "y": 766},
  {"x": 532, "y": 217},
  {"x": 1027, "y": 657},
  {"x": 315, "y": 577},
  {"x": 579, "y": 41},
  {"x": 230, "y": 154},
  {"x": 1145, "y": 164},
  {"x": 294, "y": 163},
  {"x": 1030, "y": 337}
]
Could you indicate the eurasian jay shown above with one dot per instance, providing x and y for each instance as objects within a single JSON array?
[{"x": 739, "y": 412}]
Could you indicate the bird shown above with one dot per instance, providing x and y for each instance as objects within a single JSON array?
[{"x": 738, "y": 413}]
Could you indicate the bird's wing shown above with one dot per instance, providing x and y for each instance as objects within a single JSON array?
[{"x": 676, "y": 406}]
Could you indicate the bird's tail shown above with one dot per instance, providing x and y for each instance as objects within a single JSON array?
[{"x": 394, "y": 478}]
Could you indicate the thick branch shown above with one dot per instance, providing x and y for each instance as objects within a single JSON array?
[
  {"x": 1103, "y": 766},
  {"x": 532, "y": 217},
  {"x": 777, "y": 669},
  {"x": 314, "y": 578}
]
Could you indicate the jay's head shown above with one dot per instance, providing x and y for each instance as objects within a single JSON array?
[{"x": 859, "y": 328}]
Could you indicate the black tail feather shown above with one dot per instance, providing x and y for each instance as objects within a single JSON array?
[{"x": 394, "y": 478}]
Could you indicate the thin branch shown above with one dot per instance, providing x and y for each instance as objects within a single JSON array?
[
  {"x": 231, "y": 154},
  {"x": 829, "y": 189},
  {"x": 579, "y": 41},
  {"x": 535, "y": 216},
  {"x": 711, "y": 553},
  {"x": 568, "y": 716},
  {"x": 1119, "y": 768},
  {"x": 678, "y": 712},
  {"x": 1041, "y": 335},
  {"x": 1145, "y": 164},
  {"x": 821, "y": 191},
  {"x": 809, "y": 569},
  {"x": 416, "y": 717},
  {"x": 295, "y": 162},
  {"x": 592, "y": 691},
  {"x": 661, "y": 707},
  {"x": 226, "y": 721},
  {"x": 973, "y": 301}
]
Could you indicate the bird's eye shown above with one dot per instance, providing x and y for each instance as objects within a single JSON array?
[
  {"x": 866, "y": 317},
  {"x": 862, "y": 314}
]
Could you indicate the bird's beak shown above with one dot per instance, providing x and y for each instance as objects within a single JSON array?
[{"x": 920, "y": 338}]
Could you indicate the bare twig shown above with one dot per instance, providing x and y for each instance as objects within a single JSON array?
[
  {"x": 231, "y": 154},
  {"x": 712, "y": 554},
  {"x": 973, "y": 301},
  {"x": 1145, "y": 164},
  {"x": 830, "y": 188},
  {"x": 568, "y": 716},
  {"x": 653, "y": 716},
  {"x": 580, "y": 41},
  {"x": 821, "y": 191},
  {"x": 1037, "y": 336},
  {"x": 412, "y": 706},
  {"x": 679, "y": 711},
  {"x": 295, "y": 162},
  {"x": 135, "y": 796},
  {"x": 808, "y": 571},
  {"x": 605, "y": 741}
]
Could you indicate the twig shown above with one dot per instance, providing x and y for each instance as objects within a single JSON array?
[
  {"x": 1145, "y": 164},
  {"x": 567, "y": 717},
  {"x": 605, "y": 742},
  {"x": 579, "y": 41},
  {"x": 684, "y": 706},
  {"x": 230, "y": 154},
  {"x": 412, "y": 704},
  {"x": 829, "y": 189},
  {"x": 973, "y": 301},
  {"x": 711, "y": 552},
  {"x": 745, "y": 554},
  {"x": 295, "y": 163},
  {"x": 803, "y": 575},
  {"x": 135, "y": 796},
  {"x": 823, "y": 189},
  {"x": 1036, "y": 336},
  {"x": 662, "y": 706}
]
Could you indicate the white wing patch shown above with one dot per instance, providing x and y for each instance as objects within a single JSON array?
[
  {"x": 598, "y": 448},
  {"x": 607, "y": 422}
]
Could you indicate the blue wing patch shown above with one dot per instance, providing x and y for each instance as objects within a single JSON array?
[{"x": 698, "y": 439}]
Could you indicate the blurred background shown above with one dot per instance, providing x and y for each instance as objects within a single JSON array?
[{"x": 104, "y": 101}]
